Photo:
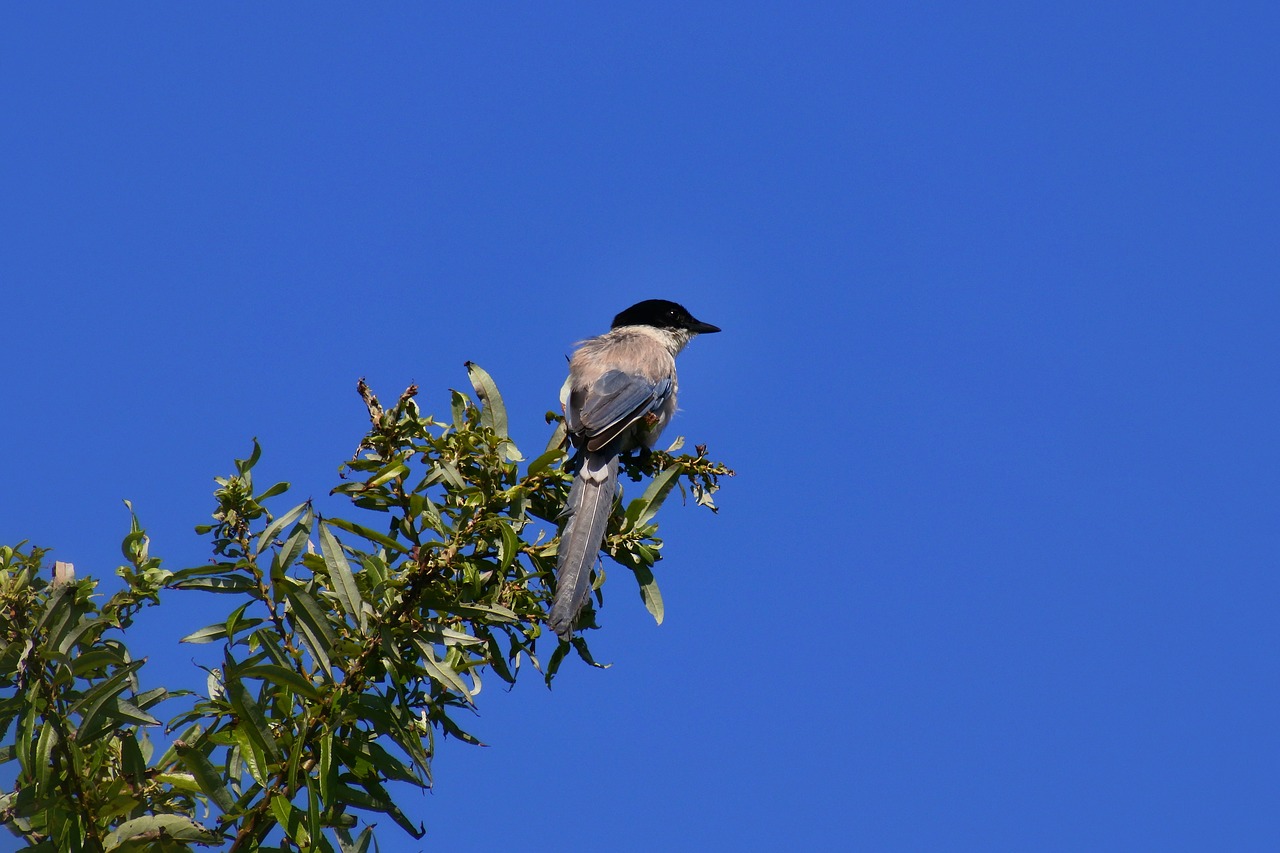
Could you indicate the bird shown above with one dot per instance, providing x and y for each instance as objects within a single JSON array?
[{"x": 620, "y": 395}]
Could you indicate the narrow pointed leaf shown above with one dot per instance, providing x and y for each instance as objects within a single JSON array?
[
  {"x": 218, "y": 631},
  {"x": 252, "y": 722},
  {"x": 645, "y": 507},
  {"x": 309, "y": 618},
  {"x": 340, "y": 575},
  {"x": 372, "y": 535},
  {"x": 93, "y": 703},
  {"x": 273, "y": 529},
  {"x": 649, "y": 591},
  {"x": 154, "y": 827},
  {"x": 389, "y": 472},
  {"x": 274, "y": 674},
  {"x": 493, "y": 414},
  {"x": 441, "y": 671},
  {"x": 128, "y": 712},
  {"x": 208, "y": 778},
  {"x": 220, "y": 583},
  {"x": 543, "y": 462}
]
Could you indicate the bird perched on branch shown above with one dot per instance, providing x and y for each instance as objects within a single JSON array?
[{"x": 620, "y": 394}]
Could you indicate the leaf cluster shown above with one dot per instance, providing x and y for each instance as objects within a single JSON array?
[
  {"x": 349, "y": 645},
  {"x": 74, "y": 716}
]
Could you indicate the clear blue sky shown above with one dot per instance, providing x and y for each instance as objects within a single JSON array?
[{"x": 999, "y": 376}]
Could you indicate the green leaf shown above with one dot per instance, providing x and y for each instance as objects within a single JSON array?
[
  {"x": 327, "y": 775},
  {"x": 277, "y": 489},
  {"x": 246, "y": 465},
  {"x": 251, "y": 754},
  {"x": 494, "y": 413},
  {"x": 130, "y": 713},
  {"x": 94, "y": 702},
  {"x": 375, "y": 798},
  {"x": 252, "y": 722},
  {"x": 451, "y": 474},
  {"x": 580, "y": 646},
  {"x": 209, "y": 779},
  {"x": 387, "y": 717},
  {"x": 487, "y": 612},
  {"x": 372, "y": 535},
  {"x": 458, "y": 406},
  {"x": 290, "y": 820},
  {"x": 390, "y": 471},
  {"x": 560, "y": 435},
  {"x": 309, "y": 618},
  {"x": 98, "y": 660},
  {"x": 511, "y": 546},
  {"x": 75, "y": 635},
  {"x": 557, "y": 657},
  {"x": 59, "y": 614},
  {"x": 354, "y": 753},
  {"x": 154, "y": 827},
  {"x": 543, "y": 462},
  {"x": 361, "y": 843},
  {"x": 292, "y": 548},
  {"x": 133, "y": 764},
  {"x": 275, "y": 674},
  {"x": 44, "y": 749},
  {"x": 147, "y": 698},
  {"x": 649, "y": 592},
  {"x": 218, "y": 583},
  {"x": 218, "y": 631},
  {"x": 273, "y": 529},
  {"x": 313, "y": 810},
  {"x": 645, "y": 507},
  {"x": 340, "y": 576},
  {"x": 440, "y": 671}
]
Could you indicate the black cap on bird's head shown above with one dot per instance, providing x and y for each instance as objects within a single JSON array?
[{"x": 662, "y": 314}]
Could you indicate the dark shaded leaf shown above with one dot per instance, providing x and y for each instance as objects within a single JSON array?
[
  {"x": 275, "y": 674},
  {"x": 208, "y": 778},
  {"x": 94, "y": 702},
  {"x": 252, "y": 722},
  {"x": 221, "y": 583}
]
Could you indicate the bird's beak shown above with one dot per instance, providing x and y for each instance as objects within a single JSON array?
[{"x": 700, "y": 328}]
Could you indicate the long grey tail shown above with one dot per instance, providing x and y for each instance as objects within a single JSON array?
[{"x": 590, "y": 499}]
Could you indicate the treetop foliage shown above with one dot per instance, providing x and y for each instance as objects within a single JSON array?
[{"x": 348, "y": 645}]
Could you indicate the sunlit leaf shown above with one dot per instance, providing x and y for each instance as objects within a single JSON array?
[
  {"x": 309, "y": 618},
  {"x": 367, "y": 533},
  {"x": 642, "y": 510},
  {"x": 274, "y": 528},
  {"x": 441, "y": 671},
  {"x": 494, "y": 412},
  {"x": 155, "y": 827},
  {"x": 649, "y": 591},
  {"x": 543, "y": 462},
  {"x": 344, "y": 582},
  {"x": 218, "y": 632}
]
